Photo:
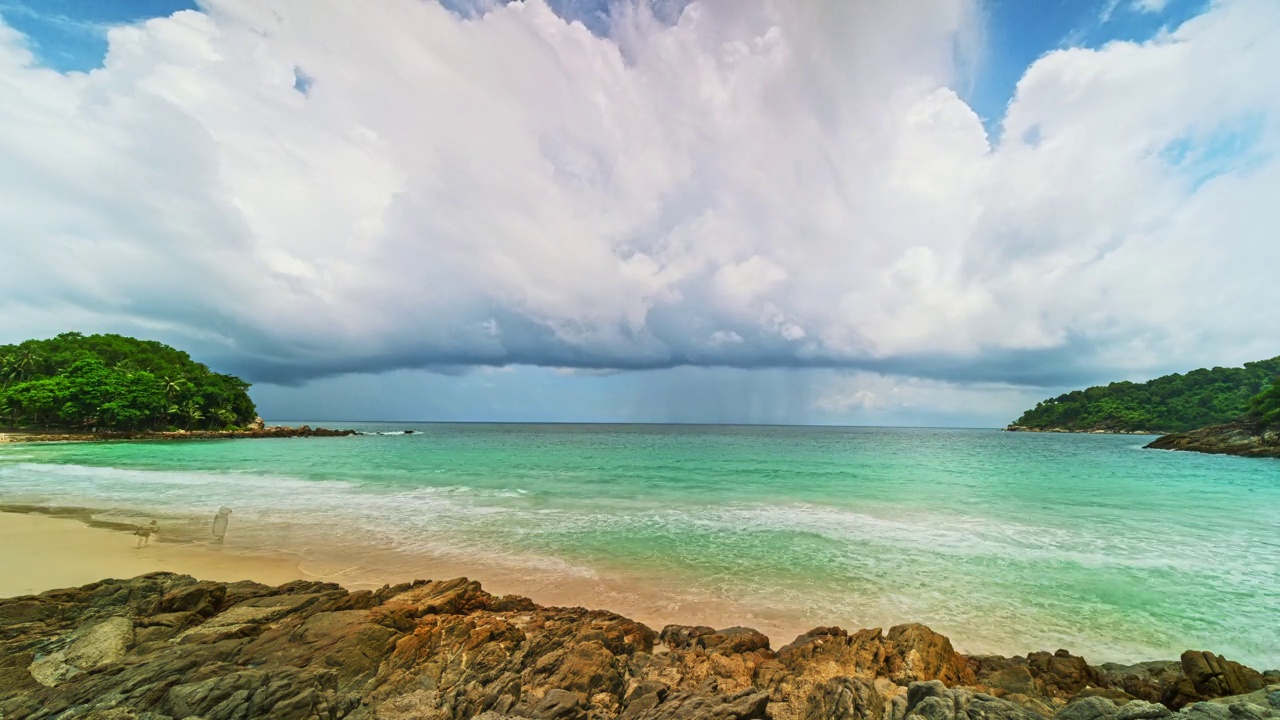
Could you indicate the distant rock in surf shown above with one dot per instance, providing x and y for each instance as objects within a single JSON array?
[{"x": 1238, "y": 438}]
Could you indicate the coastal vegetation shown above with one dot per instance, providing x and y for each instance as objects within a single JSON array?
[
  {"x": 1265, "y": 408},
  {"x": 1172, "y": 403},
  {"x": 115, "y": 383},
  {"x": 1255, "y": 434}
]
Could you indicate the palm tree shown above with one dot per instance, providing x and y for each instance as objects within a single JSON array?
[
  {"x": 25, "y": 362},
  {"x": 223, "y": 417},
  {"x": 13, "y": 409},
  {"x": 191, "y": 411},
  {"x": 173, "y": 386},
  {"x": 8, "y": 371}
]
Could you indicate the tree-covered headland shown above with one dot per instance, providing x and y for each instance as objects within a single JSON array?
[
  {"x": 1265, "y": 408},
  {"x": 115, "y": 383},
  {"x": 1173, "y": 403}
]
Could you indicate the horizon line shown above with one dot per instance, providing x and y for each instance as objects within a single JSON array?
[{"x": 617, "y": 422}]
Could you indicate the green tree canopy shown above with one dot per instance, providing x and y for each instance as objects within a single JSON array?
[
  {"x": 1172, "y": 403},
  {"x": 113, "y": 382},
  {"x": 1265, "y": 408}
]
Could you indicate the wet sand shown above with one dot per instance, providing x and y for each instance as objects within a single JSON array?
[
  {"x": 45, "y": 552},
  {"x": 52, "y": 548}
]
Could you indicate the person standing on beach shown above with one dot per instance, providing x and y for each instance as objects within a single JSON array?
[
  {"x": 220, "y": 524},
  {"x": 144, "y": 533}
]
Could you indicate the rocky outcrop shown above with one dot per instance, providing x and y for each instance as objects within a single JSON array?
[
  {"x": 1082, "y": 430},
  {"x": 1238, "y": 438},
  {"x": 166, "y": 646},
  {"x": 256, "y": 430},
  {"x": 1206, "y": 676}
]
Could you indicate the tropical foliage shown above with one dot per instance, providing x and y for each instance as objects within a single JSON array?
[
  {"x": 1173, "y": 403},
  {"x": 113, "y": 382},
  {"x": 1265, "y": 407}
]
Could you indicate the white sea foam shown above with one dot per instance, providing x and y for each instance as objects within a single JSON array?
[
  {"x": 870, "y": 564},
  {"x": 410, "y": 511}
]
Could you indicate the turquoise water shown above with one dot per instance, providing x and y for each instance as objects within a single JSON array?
[{"x": 1007, "y": 542}]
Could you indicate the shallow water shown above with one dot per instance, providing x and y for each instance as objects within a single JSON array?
[{"x": 1007, "y": 542}]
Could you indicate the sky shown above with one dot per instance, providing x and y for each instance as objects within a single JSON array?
[{"x": 927, "y": 212}]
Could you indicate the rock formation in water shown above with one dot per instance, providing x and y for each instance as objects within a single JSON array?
[
  {"x": 1243, "y": 437},
  {"x": 1079, "y": 431},
  {"x": 167, "y": 646}
]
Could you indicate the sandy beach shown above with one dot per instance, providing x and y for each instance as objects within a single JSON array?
[
  {"x": 44, "y": 552},
  {"x": 68, "y": 547}
]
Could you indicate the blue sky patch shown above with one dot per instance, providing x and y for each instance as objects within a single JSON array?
[
  {"x": 302, "y": 82},
  {"x": 1224, "y": 149},
  {"x": 71, "y": 35},
  {"x": 1019, "y": 32}
]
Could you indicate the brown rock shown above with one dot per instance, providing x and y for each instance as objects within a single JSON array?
[
  {"x": 1147, "y": 681},
  {"x": 1246, "y": 438},
  {"x": 844, "y": 698},
  {"x": 683, "y": 636},
  {"x": 1207, "y": 676},
  {"x": 164, "y": 645},
  {"x": 733, "y": 640},
  {"x": 922, "y": 654},
  {"x": 1062, "y": 674},
  {"x": 1015, "y": 679}
]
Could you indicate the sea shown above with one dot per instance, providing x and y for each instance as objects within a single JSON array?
[{"x": 1006, "y": 542}]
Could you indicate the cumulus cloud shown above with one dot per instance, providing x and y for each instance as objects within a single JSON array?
[{"x": 302, "y": 188}]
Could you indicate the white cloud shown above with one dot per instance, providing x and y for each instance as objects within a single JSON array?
[{"x": 761, "y": 183}]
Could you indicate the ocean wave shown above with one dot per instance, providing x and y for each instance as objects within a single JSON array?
[
  {"x": 334, "y": 503},
  {"x": 503, "y": 513},
  {"x": 388, "y": 433},
  {"x": 952, "y": 566},
  {"x": 140, "y": 480}
]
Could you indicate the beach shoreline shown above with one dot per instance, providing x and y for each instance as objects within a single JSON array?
[
  {"x": 1080, "y": 431},
  {"x": 67, "y": 553},
  {"x": 275, "y": 431},
  {"x": 51, "y": 549},
  {"x": 777, "y": 529},
  {"x": 449, "y": 649},
  {"x": 67, "y": 547}
]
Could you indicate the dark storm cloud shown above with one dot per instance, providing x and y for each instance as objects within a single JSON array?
[{"x": 745, "y": 185}]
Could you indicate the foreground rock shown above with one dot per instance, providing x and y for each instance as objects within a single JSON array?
[
  {"x": 304, "y": 431},
  {"x": 1238, "y": 438},
  {"x": 166, "y": 646}
]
